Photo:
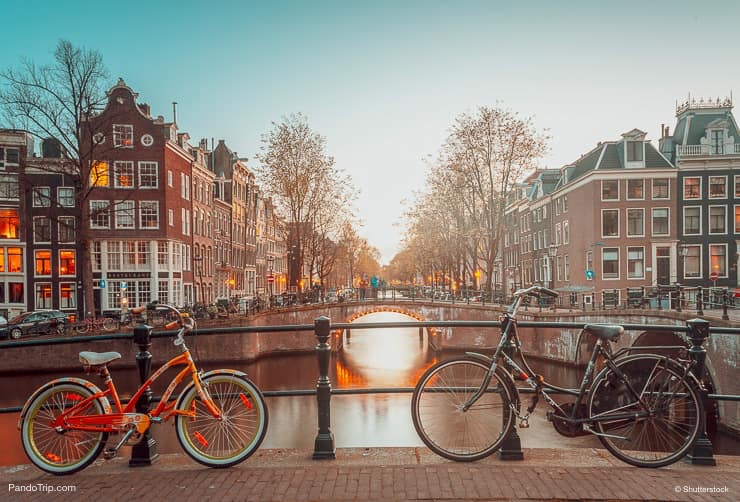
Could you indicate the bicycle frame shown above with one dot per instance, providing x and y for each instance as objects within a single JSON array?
[{"x": 123, "y": 416}]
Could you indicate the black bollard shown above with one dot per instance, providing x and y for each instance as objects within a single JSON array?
[
  {"x": 145, "y": 451},
  {"x": 324, "y": 445},
  {"x": 660, "y": 299},
  {"x": 725, "y": 316},
  {"x": 679, "y": 298},
  {"x": 699, "y": 303},
  {"x": 698, "y": 331},
  {"x": 511, "y": 448}
]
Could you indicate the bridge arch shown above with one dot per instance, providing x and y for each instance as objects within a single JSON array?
[{"x": 431, "y": 332}]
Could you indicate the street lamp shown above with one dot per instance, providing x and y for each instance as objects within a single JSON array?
[
  {"x": 270, "y": 278},
  {"x": 552, "y": 251}
]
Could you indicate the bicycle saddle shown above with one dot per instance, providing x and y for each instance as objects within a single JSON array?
[
  {"x": 98, "y": 358},
  {"x": 609, "y": 332}
]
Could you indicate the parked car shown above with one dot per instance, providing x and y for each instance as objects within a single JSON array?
[{"x": 38, "y": 322}]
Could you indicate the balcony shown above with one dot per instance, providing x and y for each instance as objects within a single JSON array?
[{"x": 706, "y": 150}]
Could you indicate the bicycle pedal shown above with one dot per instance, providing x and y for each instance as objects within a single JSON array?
[
  {"x": 524, "y": 424},
  {"x": 109, "y": 453}
]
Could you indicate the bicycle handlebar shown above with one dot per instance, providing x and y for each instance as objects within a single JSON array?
[{"x": 536, "y": 291}]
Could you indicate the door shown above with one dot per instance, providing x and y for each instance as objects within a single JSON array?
[{"x": 663, "y": 265}]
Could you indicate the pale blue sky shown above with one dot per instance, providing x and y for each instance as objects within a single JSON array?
[{"x": 384, "y": 80}]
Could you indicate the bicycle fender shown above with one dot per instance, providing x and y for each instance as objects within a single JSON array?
[
  {"x": 479, "y": 357},
  {"x": 59, "y": 381},
  {"x": 189, "y": 386},
  {"x": 691, "y": 377}
]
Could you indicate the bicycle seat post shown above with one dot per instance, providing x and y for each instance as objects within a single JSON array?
[{"x": 145, "y": 451}]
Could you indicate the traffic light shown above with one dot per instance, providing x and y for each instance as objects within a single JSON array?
[{"x": 589, "y": 274}]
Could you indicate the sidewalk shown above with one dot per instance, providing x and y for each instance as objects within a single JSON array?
[{"x": 384, "y": 474}]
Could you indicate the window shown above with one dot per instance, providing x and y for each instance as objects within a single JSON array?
[
  {"x": 99, "y": 174},
  {"x": 185, "y": 186},
  {"x": 590, "y": 264},
  {"x": 566, "y": 262},
  {"x": 737, "y": 186},
  {"x": 43, "y": 295},
  {"x": 9, "y": 223},
  {"x": 66, "y": 229},
  {"x": 610, "y": 223},
  {"x": 123, "y": 136},
  {"x": 163, "y": 295},
  {"x": 610, "y": 263},
  {"x": 635, "y": 189},
  {"x": 67, "y": 295},
  {"x": 41, "y": 229},
  {"x": 114, "y": 255},
  {"x": 660, "y": 220},
  {"x": 565, "y": 203},
  {"x": 559, "y": 267},
  {"x": 610, "y": 190},
  {"x": 692, "y": 262},
  {"x": 692, "y": 188},
  {"x": 171, "y": 217},
  {"x": 124, "y": 214},
  {"x": 635, "y": 263},
  {"x": 97, "y": 256},
  {"x": 43, "y": 262},
  {"x": 635, "y": 222},
  {"x": 717, "y": 219},
  {"x": 66, "y": 196},
  {"x": 15, "y": 260},
  {"x": 41, "y": 197},
  {"x": 716, "y": 141},
  {"x": 99, "y": 214},
  {"x": 718, "y": 259},
  {"x": 169, "y": 178},
  {"x": 634, "y": 151},
  {"x": 718, "y": 187},
  {"x": 149, "y": 214},
  {"x": 162, "y": 254},
  {"x": 66, "y": 262},
  {"x": 737, "y": 219},
  {"x": 148, "y": 175},
  {"x": 123, "y": 174},
  {"x": 566, "y": 232},
  {"x": 9, "y": 188},
  {"x": 9, "y": 157},
  {"x": 661, "y": 188},
  {"x": 692, "y": 220}
]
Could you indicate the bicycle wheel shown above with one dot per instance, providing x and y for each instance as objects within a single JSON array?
[
  {"x": 673, "y": 408},
  {"x": 436, "y": 409},
  {"x": 65, "y": 451},
  {"x": 109, "y": 324},
  {"x": 82, "y": 327},
  {"x": 234, "y": 437}
]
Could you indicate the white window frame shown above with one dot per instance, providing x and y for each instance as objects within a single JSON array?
[
  {"x": 619, "y": 268},
  {"x": 627, "y": 229},
  {"x": 627, "y": 194},
  {"x": 652, "y": 221},
  {"x": 683, "y": 226},
  {"x": 683, "y": 192},
  {"x": 700, "y": 262},
  {"x": 125, "y": 208},
  {"x": 121, "y": 133},
  {"x": 716, "y": 197},
  {"x": 171, "y": 217},
  {"x": 148, "y": 180},
  {"x": 66, "y": 196},
  {"x": 118, "y": 166},
  {"x": 709, "y": 220},
  {"x": 603, "y": 236},
  {"x": 736, "y": 221},
  {"x": 95, "y": 206},
  {"x": 149, "y": 205},
  {"x": 61, "y": 223},
  {"x": 38, "y": 218},
  {"x": 619, "y": 188},
  {"x": 169, "y": 178},
  {"x": 41, "y": 196},
  {"x": 652, "y": 189},
  {"x": 736, "y": 188},
  {"x": 566, "y": 232},
  {"x": 628, "y": 263},
  {"x": 727, "y": 259}
]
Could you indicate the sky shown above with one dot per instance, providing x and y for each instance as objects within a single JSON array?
[{"x": 383, "y": 81}]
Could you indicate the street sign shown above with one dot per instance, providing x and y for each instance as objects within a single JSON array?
[
  {"x": 589, "y": 274},
  {"x": 270, "y": 279},
  {"x": 124, "y": 286},
  {"x": 713, "y": 276}
]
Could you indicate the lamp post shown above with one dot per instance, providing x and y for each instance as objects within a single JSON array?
[
  {"x": 199, "y": 260},
  {"x": 270, "y": 278},
  {"x": 552, "y": 252}
]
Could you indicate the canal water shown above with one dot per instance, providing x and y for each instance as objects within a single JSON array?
[{"x": 372, "y": 358}]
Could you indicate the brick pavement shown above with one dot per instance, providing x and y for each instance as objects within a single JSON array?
[{"x": 384, "y": 474}]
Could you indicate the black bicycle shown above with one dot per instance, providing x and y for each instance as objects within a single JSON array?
[{"x": 645, "y": 408}]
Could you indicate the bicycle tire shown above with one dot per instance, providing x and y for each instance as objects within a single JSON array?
[
  {"x": 82, "y": 327},
  {"x": 676, "y": 411},
  {"x": 442, "y": 425},
  {"x": 63, "y": 452},
  {"x": 109, "y": 324},
  {"x": 222, "y": 442}
]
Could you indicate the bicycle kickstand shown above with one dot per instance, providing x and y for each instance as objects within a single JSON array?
[{"x": 109, "y": 453}]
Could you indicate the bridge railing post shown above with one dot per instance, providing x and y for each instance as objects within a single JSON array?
[
  {"x": 324, "y": 444},
  {"x": 698, "y": 331},
  {"x": 511, "y": 449},
  {"x": 145, "y": 451}
]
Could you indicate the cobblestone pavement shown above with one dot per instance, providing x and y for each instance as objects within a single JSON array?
[{"x": 382, "y": 474}]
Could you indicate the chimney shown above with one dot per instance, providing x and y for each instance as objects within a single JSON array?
[
  {"x": 145, "y": 109},
  {"x": 667, "y": 129},
  {"x": 662, "y": 131},
  {"x": 174, "y": 112}
]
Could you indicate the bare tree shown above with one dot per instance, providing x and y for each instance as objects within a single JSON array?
[
  {"x": 55, "y": 101},
  {"x": 303, "y": 180}
]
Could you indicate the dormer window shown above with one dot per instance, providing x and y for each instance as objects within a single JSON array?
[
  {"x": 634, "y": 151},
  {"x": 717, "y": 141}
]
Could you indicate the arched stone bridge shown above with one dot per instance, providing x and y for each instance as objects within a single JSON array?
[{"x": 560, "y": 344}]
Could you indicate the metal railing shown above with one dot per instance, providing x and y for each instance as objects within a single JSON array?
[{"x": 322, "y": 330}]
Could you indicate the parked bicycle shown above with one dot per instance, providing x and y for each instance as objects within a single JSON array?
[
  {"x": 93, "y": 324},
  {"x": 644, "y": 408},
  {"x": 220, "y": 416}
]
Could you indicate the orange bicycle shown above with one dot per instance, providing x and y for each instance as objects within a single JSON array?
[{"x": 220, "y": 416}]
